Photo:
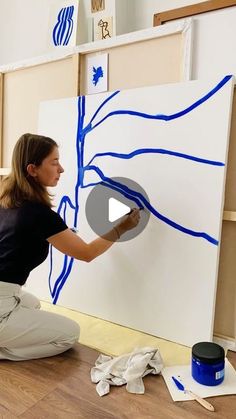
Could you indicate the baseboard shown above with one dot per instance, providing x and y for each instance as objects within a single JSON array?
[{"x": 226, "y": 342}]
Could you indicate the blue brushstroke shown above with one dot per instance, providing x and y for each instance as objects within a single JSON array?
[
  {"x": 68, "y": 261},
  {"x": 97, "y": 74},
  {"x": 63, "y": 29},
  {"x": 136, "y": 197},
  {"x": 164, "y": 117},
  {"x": 127, "y": 156}
]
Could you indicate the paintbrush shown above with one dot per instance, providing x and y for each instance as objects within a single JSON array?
[{"x": 198, "y": 399}]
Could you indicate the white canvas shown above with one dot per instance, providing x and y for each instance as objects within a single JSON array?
[
  {"x": 96, "y": 73},
  {"x": 63, "y": 24},
  {"x": 163, "y": 282}
]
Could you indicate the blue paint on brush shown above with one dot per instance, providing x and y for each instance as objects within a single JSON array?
[{"x": 178, "y": 384}]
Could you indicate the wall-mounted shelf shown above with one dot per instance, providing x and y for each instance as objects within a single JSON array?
[{"x": 4, "y": 171}]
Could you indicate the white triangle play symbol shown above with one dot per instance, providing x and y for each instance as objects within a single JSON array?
[{"x": 116, "y": 209}]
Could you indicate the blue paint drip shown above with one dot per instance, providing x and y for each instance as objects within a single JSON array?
[
  {"x": 130, "y": 194},
  {"x": 97, "y": 75}
]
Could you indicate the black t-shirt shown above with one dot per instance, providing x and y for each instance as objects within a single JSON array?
[{"x": 23, "y": 239}]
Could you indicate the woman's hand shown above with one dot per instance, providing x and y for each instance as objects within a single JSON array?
[
  {"x": 72, "y": 245},
  {"x": 128, "y": 222}
]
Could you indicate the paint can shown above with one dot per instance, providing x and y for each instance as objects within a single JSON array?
[{"x": 208, "y": 363}]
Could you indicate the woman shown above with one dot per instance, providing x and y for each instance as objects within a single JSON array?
[{"x": 27, "y": 226}]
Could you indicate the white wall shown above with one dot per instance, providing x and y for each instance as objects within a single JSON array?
[
  {"x": 145, "y": 9},
  {"x": 19, "y": 30},
  {"x": 24, "y": 23},
  {"x": 23, "y": 31}
]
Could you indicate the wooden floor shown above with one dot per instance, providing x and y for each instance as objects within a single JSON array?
[{"x": 60, "y": 387}]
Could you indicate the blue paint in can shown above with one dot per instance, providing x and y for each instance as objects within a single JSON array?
[{"x": 208, "y": 363}]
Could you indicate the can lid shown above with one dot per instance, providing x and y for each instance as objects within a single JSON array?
[{"x": 208, "y": 352}]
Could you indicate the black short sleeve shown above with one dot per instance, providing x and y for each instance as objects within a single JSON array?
[
  {"x": 23, "y": 239},
  {"x": 48, "y": 222}
]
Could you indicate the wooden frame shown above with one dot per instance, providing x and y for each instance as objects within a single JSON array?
[
  {"x": 21, "y": 78},
  {"x": 122, "y": 47},
  {"x": 1, "y": 115},
  {"x": 25, "y": 87},
  {"x": 194, "y": 9}
]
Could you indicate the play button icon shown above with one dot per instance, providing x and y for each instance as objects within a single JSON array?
[
  {"x": 117, "y": 209},
  {"x": 109, "y": 201}
]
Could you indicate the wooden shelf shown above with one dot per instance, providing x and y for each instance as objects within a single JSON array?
[
  {"x": 229, "y": 216},
  {"x": 4, "y": 171}
]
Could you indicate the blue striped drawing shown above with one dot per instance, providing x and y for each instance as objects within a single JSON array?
[{"x": 64, "y": 27}]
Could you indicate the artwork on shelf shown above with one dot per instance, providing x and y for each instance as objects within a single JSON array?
[
  {"x": 103, "y": 28},
  {"x": 172, "y": 140},
  {"x": 97, "y": 73},
  {"x": 112, "y": 20},
  {"x": 97, "y": 5},
  {"x": 63, "y": 24}
]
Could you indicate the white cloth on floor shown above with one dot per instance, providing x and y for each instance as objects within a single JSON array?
[{"x": 126, "y": 369}]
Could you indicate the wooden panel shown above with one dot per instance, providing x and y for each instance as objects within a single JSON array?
[
  {"x": 139, "y": 64},
  {"x": 226, "y": 292},
  {"x": 66, "y": 391},
  {"x": 230, "y": 195},
  {"x": 1, "y": 115},
  {"x": 194, "y": 9},
  {"x": 229, "y": 215},
  {"x": 23, "y": 91},
  {"x": 97, "y": 5}
]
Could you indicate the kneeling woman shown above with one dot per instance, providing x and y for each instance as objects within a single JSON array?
[{"x": 27, "y": 226}]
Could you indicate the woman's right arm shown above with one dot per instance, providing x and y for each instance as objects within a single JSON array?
[{"x": 72, "y": 245}]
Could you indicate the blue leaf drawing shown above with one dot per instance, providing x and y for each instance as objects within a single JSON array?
[{"x": 97, "y": 74}]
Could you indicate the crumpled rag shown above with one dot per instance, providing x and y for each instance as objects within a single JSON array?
[{"x": 126, "y": 369}]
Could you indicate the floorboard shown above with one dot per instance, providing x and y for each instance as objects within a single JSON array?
[{"x": 60, "y": 387}]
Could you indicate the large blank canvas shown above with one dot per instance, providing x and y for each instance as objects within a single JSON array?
[{"x": 163, "y": 282}]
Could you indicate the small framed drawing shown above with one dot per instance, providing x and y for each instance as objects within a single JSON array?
[
  {"x": 63, "y": 23},
  {"x": 97, "y": 74},
  {"x": 103, "y": 28},
  {"x": 97, "y": 5}
]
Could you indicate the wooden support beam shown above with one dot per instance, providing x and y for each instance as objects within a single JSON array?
[
  {"x": 194, "y": 9},
  {"x": 229, "y": 216},
  {"x": 1, "y": 115}
]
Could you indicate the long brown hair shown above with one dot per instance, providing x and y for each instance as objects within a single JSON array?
[{"x": 19, "y": 186}]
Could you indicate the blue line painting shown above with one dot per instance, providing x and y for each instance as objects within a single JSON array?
[
  {"x": 64, "y": 27},
  {"x": 83, "y": 130},
  {"x": 97, "y": 74}
]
